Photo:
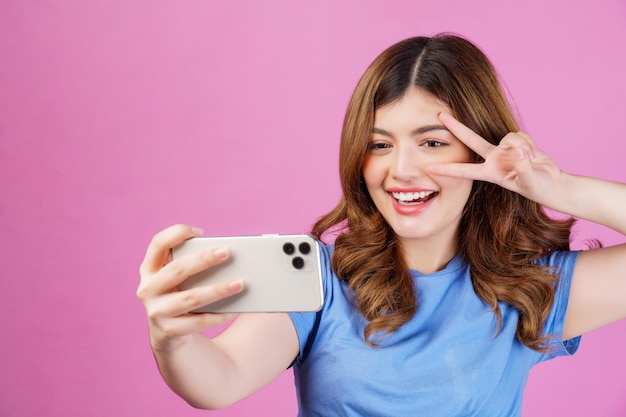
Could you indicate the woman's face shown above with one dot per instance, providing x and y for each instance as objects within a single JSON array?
[{"x": 406, "y": 137}]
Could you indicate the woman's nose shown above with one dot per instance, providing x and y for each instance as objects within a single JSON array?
[{"x": 406, "y": 164}]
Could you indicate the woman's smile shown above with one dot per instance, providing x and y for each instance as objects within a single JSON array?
[{"x": 412, "y": 202}]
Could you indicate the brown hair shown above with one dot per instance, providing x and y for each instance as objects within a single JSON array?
[{"x": 501, "y": 232}]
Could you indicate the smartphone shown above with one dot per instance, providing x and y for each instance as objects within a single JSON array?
[{"x": 281, "y": 273}]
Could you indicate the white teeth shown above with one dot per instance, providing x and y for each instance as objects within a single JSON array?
[{"x": 412, "y": 196}]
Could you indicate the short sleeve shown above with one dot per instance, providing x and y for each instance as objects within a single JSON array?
[
  {"x": 563, "y": 264},
  {"x": 306, "y": 323}
]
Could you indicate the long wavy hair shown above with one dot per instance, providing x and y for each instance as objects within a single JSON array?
[{"x": 501, "y": 232}]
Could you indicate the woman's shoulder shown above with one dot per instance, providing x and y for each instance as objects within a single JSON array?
[{"x": 561, "y": 261}]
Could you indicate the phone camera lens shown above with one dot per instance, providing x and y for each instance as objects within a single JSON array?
[
  {"x": 298, "y": 262},
  {"x": 304, "y": 248},
  {"x": 289, "y": 248}
]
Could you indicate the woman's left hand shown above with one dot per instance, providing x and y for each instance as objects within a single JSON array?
[{"x": 515, "y": 164}]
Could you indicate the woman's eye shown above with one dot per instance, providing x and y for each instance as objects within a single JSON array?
[
  {"x": 431, "y": 143},
  {"x": 378, "y": 146}
]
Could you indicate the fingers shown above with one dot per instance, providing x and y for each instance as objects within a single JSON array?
[
  {"x": 158, "y": 251},
  {"x": 180, "y": 303},
  {"x": 482, "y": 147},
  {"x": 168, "y": 308},
  {"x": 158, "y": 273},
  {"x": 175, "y": 272},
  {"x": 512, "y": 157},
  {"x": 458, "y": 170},
  {"x": 521, "y": 143},
  {"x": 466, "y": 135},
  {"x": 169, "y": 314}
]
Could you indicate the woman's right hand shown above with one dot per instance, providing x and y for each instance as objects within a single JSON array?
[{"x": 167, "y": 308}]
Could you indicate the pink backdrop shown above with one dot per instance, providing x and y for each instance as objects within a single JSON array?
[{"x": 118, "y": 118}]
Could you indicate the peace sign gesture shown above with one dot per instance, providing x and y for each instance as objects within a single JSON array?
[{"x": 515, "y": 164}]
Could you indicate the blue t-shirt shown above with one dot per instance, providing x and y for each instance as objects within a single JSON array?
[{"x": 446, "y": 361}]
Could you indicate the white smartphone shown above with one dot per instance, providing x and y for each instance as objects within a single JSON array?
[{"x": 281, "y": 273}]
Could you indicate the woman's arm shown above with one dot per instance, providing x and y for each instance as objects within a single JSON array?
[
  {"x": 598, "y": 291},
  {"x": 215, "y": 373},
  {"x": 208, "y": 373}
]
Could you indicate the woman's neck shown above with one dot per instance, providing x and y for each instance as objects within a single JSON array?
[{"x": 427, "y": 256}]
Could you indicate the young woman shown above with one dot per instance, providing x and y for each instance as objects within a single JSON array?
[{"x": 447, "y": 282}]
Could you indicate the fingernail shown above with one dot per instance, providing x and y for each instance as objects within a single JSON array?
[
  {"x": 235, "y": 285},
  {"x": 197, "y": 231},
  {"x": 220, "y": 253},
  {"x": 445, "y": 114}
]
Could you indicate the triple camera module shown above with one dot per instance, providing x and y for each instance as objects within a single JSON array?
[{"x": 304, "y": 248}]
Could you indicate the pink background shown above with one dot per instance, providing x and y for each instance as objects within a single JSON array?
[{"x": 118, "y": 118}]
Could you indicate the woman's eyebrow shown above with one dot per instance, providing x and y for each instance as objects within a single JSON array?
[{"x": 419, "y": 131}]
